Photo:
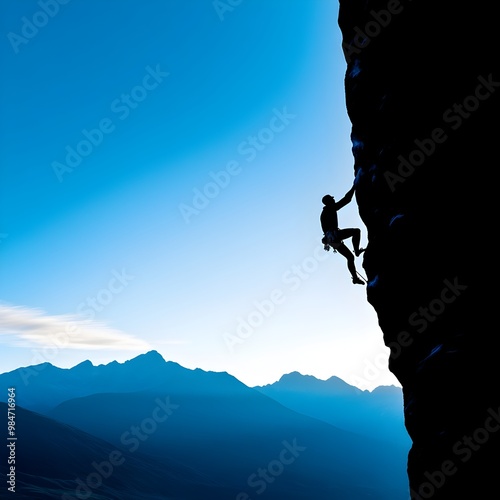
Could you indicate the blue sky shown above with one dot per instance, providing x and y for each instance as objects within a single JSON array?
[{"x": 163, "y": 164}]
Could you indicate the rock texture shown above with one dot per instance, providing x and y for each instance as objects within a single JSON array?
[{"x": 423, "y": 91}]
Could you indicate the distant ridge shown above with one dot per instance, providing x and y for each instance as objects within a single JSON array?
[
  {"x": 379, "y": 412},
  {"x": 148, "y": 371}
]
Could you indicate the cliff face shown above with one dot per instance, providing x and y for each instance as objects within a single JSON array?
[{"x": 422, "y": 92}]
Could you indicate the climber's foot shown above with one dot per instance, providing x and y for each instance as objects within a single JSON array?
[
  {"x": 357, "y": 281},
  {"x": 359, "y": 252}
]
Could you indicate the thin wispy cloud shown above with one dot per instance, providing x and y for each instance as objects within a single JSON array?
[{"x": 22, "y": 326}]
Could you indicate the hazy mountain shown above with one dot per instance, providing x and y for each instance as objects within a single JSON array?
[
  {"x": 231, "y": 437},
  {"x": 377, "y": 413}
]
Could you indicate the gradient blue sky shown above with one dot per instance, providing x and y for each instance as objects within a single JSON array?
[{"x": 118, "y": 253}]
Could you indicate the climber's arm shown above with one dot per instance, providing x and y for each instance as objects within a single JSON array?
[{"x": 345, "y": 200}]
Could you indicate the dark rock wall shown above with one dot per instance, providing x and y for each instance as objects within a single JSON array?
[{"x": 422, "y": 92}]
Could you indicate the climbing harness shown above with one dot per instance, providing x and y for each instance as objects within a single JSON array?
[{"x": 331, "y": 240}]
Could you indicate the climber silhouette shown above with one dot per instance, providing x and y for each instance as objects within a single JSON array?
[{"x": 333, "y": 236}]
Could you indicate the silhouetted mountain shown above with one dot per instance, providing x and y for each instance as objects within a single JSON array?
[
  {"x": 376, "y": 413},
  {"x": 217, "y": 426},
  {"x": 42, "y": 387},
  {"x": 54, "y": 460}
]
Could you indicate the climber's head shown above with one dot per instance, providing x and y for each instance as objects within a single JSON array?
[{"x": 328, "y": 200}]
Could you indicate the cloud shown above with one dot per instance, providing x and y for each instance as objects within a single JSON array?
[{"x": 27, "y": 327}]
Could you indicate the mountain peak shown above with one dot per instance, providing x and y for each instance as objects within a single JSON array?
[
  {"x": 84, "y": 365},
  {"x": 150, "y": 358},
  {"x": 296, "y": 381},
  {"x": 294, "y": 376},
  {"x": 154, "y": 355}
]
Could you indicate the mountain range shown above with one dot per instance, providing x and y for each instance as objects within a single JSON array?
[
  {"x": 148, "y": 428},
  {"x": 375, "y": 413}
]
